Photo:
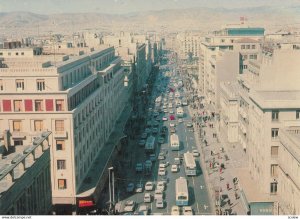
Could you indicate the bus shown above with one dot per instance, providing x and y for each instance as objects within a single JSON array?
[
  {"x": 190, "y": 164},
  {"x": 180, "y": 112},
  {"x": 150, "y": 144},
  {"x": 174, "y": 142},
  {"x": 182, "y": 192}
]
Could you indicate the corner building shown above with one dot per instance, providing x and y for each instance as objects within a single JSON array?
[{"x": 78, "y": 98}]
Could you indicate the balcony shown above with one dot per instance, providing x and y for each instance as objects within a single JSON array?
[{"x": 60, "y": 134}]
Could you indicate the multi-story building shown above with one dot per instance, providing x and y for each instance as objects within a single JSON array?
[
  {"x": 237, "y": 44},
  {"x": 25, "y": 182},
  {"x": 78, "y": 97},
  {"x": 188, "y": 44},
  {"x": 274, "y": 107}
]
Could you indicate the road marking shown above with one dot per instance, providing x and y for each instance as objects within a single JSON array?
[
  {"x": 205, "y": 207},
  {"x": 201, "y": 187}
]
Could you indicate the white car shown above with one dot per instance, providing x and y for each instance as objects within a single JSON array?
[
  {"x": 180, "y": 120},
  {"x": 172, "y": 124},
  {"x": 160, "y": 185},
  {"x": 158, "y": 194},
  {"x": 174, "y": 168},
  {"x": 187, "y": 210},
  {"x": 149, "y": 186},
  {"x": 165, "y": 111},
  {"x": 175, "y": 210},
  {"x": 159, "y": 203},
  {"x": 147, "y": 197},
  {"x": 196, "y": 153},
  {"x": 163, "y": 164},
  {"x": 139, "y": 188},
  {"x": 129, "y": 206},
  {"x": 162, "y": 172},
  {"x": 171, "y": 112},
  {"x": 161, "y": 157},
  {"x": 143, "y": 210},
  {"x": 165, "y": 118}
]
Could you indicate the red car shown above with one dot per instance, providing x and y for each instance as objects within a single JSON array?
[{"x": 172, "y": 117}]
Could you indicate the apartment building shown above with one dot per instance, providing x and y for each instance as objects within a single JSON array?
[
  {"x": 233, "y": 46},
  {"x": 25, "y": 181},
  {"x": 274, "y": 107},
  {"x": 79, "y": 98},
  {"x": 188, "y": 44}
]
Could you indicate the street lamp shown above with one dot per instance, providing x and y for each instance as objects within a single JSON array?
[{"x": 111, "y": 185}]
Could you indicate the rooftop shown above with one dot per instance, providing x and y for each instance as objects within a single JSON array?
[{"x": 23, "y": 155}]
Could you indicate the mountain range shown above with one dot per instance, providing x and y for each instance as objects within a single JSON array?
[{"x": 205, "y": 19}]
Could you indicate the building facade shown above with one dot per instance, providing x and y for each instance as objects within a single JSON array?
[
  {"x": 79, "y": 98},
  {"x": 25, "y": 181}
]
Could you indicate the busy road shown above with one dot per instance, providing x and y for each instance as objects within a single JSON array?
[{"x": 166, "y": 165}]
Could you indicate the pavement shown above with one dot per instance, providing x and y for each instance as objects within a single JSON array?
[{"x": 232, "y": 157}]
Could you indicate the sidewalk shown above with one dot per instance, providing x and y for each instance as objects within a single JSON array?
[{"x": 231, "y": 158}]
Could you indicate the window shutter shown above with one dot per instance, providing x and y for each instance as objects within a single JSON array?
[
  {"x": 49, "y": 105},
  {"x": 7, "y": 105},
  {"x": 28, "y": 105}
]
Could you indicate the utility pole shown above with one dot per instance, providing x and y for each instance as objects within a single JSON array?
[{"x": 111, "y": 186}]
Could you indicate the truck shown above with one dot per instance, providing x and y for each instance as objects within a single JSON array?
[{"x": 150, "y": 144}]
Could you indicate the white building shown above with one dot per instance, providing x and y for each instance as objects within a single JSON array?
[
  {"x": 79, "y": 98},
  {"x": 25, "y": 181}
]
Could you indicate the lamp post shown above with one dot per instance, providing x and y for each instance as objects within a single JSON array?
[{"x": 111, "y": 185}]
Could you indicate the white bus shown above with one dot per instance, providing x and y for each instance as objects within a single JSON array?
[
  {"x": 190, "y": 164},
  {"x": 182, "y": 192},
  {"x": 180, "y": 112},
  {"x": 174, "y": 142},
  {"x": 150, "y": 144}
]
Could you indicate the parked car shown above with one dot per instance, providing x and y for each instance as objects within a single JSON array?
[
  {"x": 139, "y": 167},
  {"x": 142, "y": 142},
  {"x": 165, "y": 118},
  {"x": 143, "y": 210},
  {"x": 162, "y": 172},
  {"x": 152, "y": 157}
]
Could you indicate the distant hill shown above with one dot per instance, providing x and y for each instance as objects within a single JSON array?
[{"x": 169, "y": 20}]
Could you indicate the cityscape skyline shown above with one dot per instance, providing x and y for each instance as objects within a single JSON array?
[{"x": 130, "y": 6}]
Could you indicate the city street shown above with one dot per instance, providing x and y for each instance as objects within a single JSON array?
[{"x": 198, "y": 194}]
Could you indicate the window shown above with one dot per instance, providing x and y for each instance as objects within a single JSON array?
[
  {"x": 20, "y": 84},
  {"x": 274, "y": 151},
  {"x": 248, "y": 46},
  {"x": 274, "y": 170},
  {"x": 275, "y": 133},
  {"x": 38, "y": 125},
  {"x": 275, "y": 115},
  {"x": 243, "y": 47},
  {"x": 17, "y": 105},
  {"x": 18, "y": 142},
  {"x": 61, "y": 164},
  {"x": 40, "y": 84},
  {"x": 17, "y": 125},
  {"x": 59, "y": 125},
  {"x": 59, "y": 105},
  {"x": 1, "y": 85},
  {"x": 22, "y": 53},
  {"x": 273, "y": 188},
  {"x": 253, "y": 46},
  {"x": 297, "y": 114},
  {"x": 62, "y": 184},
  {"x": 60, "y": 145},
  {"x": 38, "y": 105}
]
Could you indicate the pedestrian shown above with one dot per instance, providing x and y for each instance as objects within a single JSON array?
[
  {"x": 211, "y": 153},
  {"x": 236, "y": 195},
  {"x": 210, "y": 165},
  {"x": 220, "y": 169},
  {"x": 227, "y": 185}
]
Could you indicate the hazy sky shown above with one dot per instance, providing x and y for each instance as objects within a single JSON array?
[{"x": 126, "y": 6}]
